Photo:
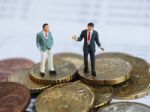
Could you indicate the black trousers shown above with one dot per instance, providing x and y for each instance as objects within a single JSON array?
[{"x": 92, "y": 58}]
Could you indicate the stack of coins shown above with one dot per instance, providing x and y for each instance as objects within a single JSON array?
[
  {"x": 109, "y": 71},
  {"x": 14, "y": 97},
  {"x": 138, "y": 85},
  {"x": 118, "y": 76},
  {"x": 26, "y": 72}
]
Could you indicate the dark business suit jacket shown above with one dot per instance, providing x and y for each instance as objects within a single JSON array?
[{"x": 94, "y": 39}]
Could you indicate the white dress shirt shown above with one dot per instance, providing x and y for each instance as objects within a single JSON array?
[{"x": 44, "y": 33}]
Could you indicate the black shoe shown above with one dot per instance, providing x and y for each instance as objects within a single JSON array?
[
  {"x": 42, "y": 74},
  {"x": 52, "y": 72},
  {"x": 93, "y": 74},
  {"x": 86, "y": 71}
]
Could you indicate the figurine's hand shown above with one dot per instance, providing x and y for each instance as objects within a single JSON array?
[
  {"x": 102, "y": 48},
  {"x": 74, "y": 37}
]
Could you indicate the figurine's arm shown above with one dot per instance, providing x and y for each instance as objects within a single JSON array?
[
  {"x": 37, "y": 41},
  {"x": 52, "y": 41},
  {"x": 98, "y": 42},
  {"x": 79, "y": 38}
]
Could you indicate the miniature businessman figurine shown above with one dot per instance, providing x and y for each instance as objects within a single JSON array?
[
  {"x": 90, "y": 38},
  {"x": 44, "y": 42}
]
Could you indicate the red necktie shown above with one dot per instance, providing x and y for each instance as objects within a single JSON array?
[
  {"x": 89, "y": 35},
  {"x": 46, "y": 34}
]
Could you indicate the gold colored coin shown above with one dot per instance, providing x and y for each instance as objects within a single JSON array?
[
  {"x": 127, "y": 57},
  {"x": 139, "y": 83},
  {"x": 136, "y": 87},
  {"x": 74, "y": 58},
  {"x": 22, "y": 77},
  {"x": 109, "y": 71},
  {"x": 68, "y": 97},
  {"x": 103, "y": 94},
  {"x": 64, "y": 69}
]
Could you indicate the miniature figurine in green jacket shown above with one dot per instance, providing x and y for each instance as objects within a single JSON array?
[{"x": 44, "y": 42}]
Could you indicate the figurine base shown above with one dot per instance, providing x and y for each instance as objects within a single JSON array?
[
  {"x": 65, "y": 71},
  {"x": 109, "y": 71}
]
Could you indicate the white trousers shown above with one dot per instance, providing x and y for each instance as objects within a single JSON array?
[{"x": 46, "y": 55}]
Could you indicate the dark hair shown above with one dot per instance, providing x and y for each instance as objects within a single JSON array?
[
  {"x": 91, "y": 24},
  {"x": 45, "y": 24}
]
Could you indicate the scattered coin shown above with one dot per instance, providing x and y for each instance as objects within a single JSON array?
[
  {"x": 139, "y": 83},
  {"x": 103, "y": 94},
  {"x": 125, "y": 107},
  {"x": 9, "y": 66},
  {"x": 109, "y": 71},
  {"x": 64, "y": 69},
  {"x": 136, "y": 87},
  {"x": 4, "y": 77},
  {"x": 74, "y": 58},
  {"x": 127, "y": 57},
  {"x": 68, "y": 97},
  {"x": 22, "y": 77},
  {"x": 14, "y": 97}
]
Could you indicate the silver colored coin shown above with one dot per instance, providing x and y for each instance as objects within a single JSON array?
[{"x": 125, "y": 107}]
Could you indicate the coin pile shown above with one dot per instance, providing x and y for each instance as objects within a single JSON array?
[
  {"x": 119, "y": 76},
  {"x": 14, "y": 97},
  {"x": 138, "y": 84},
  {"x": 109, "y": 71}
]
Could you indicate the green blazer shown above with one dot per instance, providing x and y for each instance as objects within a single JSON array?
[{"x": 43, "y": 43}]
